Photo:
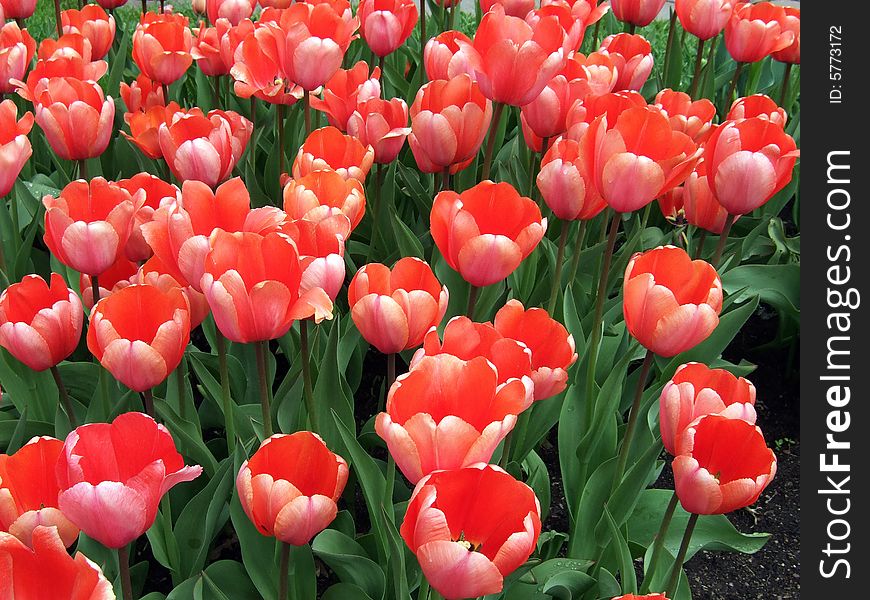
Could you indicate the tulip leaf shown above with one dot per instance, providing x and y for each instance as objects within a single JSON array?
[
  {"x": 349, "y": 562},
  {"x": 345, "y": 591},
  {"x": 568, "y": 585},
  {"x": 539, "y": 480},
  {"x": 329, "y": 392},
  {"x": 623, "y": 556},
  {"x": 778, "y": 285},
  {"x": 259, "y": 553},
  {"x": 186, "y": 436}
]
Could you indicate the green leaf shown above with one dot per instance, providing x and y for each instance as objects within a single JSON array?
[
  {"x": 777, "y": 285},
  {"x": 350, "y": 562},
  {"x": 259, "y": 553},
  {"x": 345, "y": 591},
  {"x": 623, "y": 555},
  {"x": 329, "y": 394},
  {"x": 187, "y": 436}
]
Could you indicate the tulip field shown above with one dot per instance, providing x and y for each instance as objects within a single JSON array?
[{"x": 353, "y": 301}]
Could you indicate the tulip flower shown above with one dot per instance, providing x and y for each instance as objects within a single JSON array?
[
  {"x": 204, "y": 147},
  {"x": 381, "y": 124},
  {"x": 671, "y": 302},
  {"x": 252, "y": 284},
  {"x": 234, "y": 11},
  {"x": 139, "y": 334},
  {"x": 393, "y": 309},
  {"x": 69, "y": 45},
  {"x": 638, "y": 13},
  {"x": 444, "y": 58},
  {"x": 118, "y": 276},
  {"x": 791, "y": 55},
  {"x": 757, "y": 105},
  {"x": 572, "y": 22},
  {"x": 721, "y": 465},
  {"x": 111, "y": 4},
  {"x": 161, "y": 46},
  {"x": 514, "y": 8},
  {"x": 142, "y": 94},
  {"x": 748, "y": 162},
  {"x": 18, "y": 9},
  {"x": 88, "y": 224},
  {"x": 465, "y": 339},
  {"x": 610, "y": 105},
  {"x": 329, "y": 148},
  {"x": 145, "y": 127},
  {"x": 597, "y": 69},
  {"x": 515, "y": 60},
  {"x": 700, "y": 206},
  {"x": 755, "y": 31},
  {"x": 486, "y": 232},
  {"x": 320, "y": 194},
  {"x": 40, "y": 323},
  {"x": 546, "y": 116},
  {"x": 178, "y": 231},
  {"x": 113, "y": 475},
  {"x": 75, "y": 116},
  {"x": 16, "y": 52},
  {"x": 449, "y": 120},
  {"x": 695, "y": 391},
  {"x": 341, "y": 7},
  {"x": 15, "y": 148},
  {"x": 28, "y": 492},
  {"x": 695, "y": 119},
  {"x": 155, "y": 189},
  {"x": 565, "y": 187},
  {"x": 386, "y": 24},
  {"x": 552, "y": 347},
  {"x": 466, "y": 537},
  {"x": 637, "y": 160},
  {"x": 94, "y": 24},
  {"x": 704, "y": 18},
  {"x": 671, "y": 205},
  {"x": 26, "y": 569},
  {"x": 256, "y": 67},
  {"x": 346, "y": 89},
  {"x": 206, "y": 49},
  {"x": 321, "y": 251},
  {"x": 156, "y": 273},
  {"x": 448, "y": 413},
  {"x": 632, "y": 55},
  {"x": 290, "y": 486}
]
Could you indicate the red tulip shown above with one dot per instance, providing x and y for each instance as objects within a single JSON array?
[
  {"x": 15, "y": 148},
  {"x": 515, "y": 60},
  {"x": 329, "y": 148},
  {"x": 791, "y": 54},
  {"x": 64, "y": 65},
  {"x": 748, "y": 162},
  {"x": 565, "y": 187},
  {"x": 546, "y": 116},
  {"x": 257, "y": 69},
  {"x": 346, "y": 89},
  {"x": 755, "y": 31},
  {"x": 164, "y": 277},
  {"x": 757, "y": 105},
  {"x": 597, "y": 69},
  {"x": 639, "y": 159},
  {"x": 69, "y": 45},
  {"x": 17, "y": 9},
  {"x": 179, "y": 231},
  {"x": 290, "y": 486},
  {"x": 467, "y": 538},
  {"x": 671, "y": 205},
  {"x": 486, "y": 232},
  {"x": 233, "y": 38},
  {"x": 117, "y": 276},
  {"x": 88, "y": 224},
  {"x": 145, "y": 127},
  {"x": 156, "y": 190},
  {"x": 449, "y": 120},
  {"x": 40, "y": 324},
  {"x": 393, "y": 309},
  {"x": 448, "y": 413},
  {"x": 94, "y": 24},
  {"x": 139, "y": 334},
  {"x": 573, "y": 23},
  {"x": 252, "y": 284},
  {"x": 695, "y": 391},
  {"x": 161, "y": 46},
  {"x": 28, "y": 492},
  {"x": 234, "y": 11},
  {"x": 694, "y": 118},
  {"x": 639, "y": 13},
  {"x": 552, "y": 347},
  {"x": 16, "y": 52},
  {"x": 466, "y": 339},
  {"x": 142, "y": 94},
  {"x": 75, "y": 116},
  {"x": 386, "y": 24},
  {"x": 321, "y": 194},
  {"x": 444, "y": 58},
  {"x": 632, "y": 55},
  {"x": 204, "y": 147},
  {"x": 611, "y": 105},
  {"x": 113, "y": 475},
  {"x": 700, "y": 206},
  {"x": 206, "y": 49},
  {"x": 341, "y": 7},
  {"x": 671, "y": 303},
  {"x": 721, "y": 465},
  {"x": 704, "y": 18},
  {"x": 514, "y": 8},
  {"x": 321, "y": 251},
  {"x": 111, "y": 4},
  {"x": 26, "y": 570},
  {"x": 381, "y": 124}
]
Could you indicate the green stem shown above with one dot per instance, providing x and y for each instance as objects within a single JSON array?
[
  {"x": 445, "y": 179},
  {"x": 95, "y": 288},
  {"x": 283, "y": 586},
  {"x": 733, "y": 87},
  {"x": 16, "y": 229},
  {"x": 279, "y": 124},
  {"x": 595, "y": 33},
  {"x": 659, "y": 544},
  {"x": 723, "y": 241},
  {"x": 124, "y": 569},
  {"x": 226, "y": 397},
  {"x": 674, "y": 580},
  {"x": 699, "y": 57},
  {"x": 423, "y": 40},
  {"x": 59, "y": 23},
  {"x": 260, "y": 348},
  {"x": 669, "y": 55},
  {"x": 578, "y": 250},
  {"x": 180, "y": 389},
  {"x": 699, "y": 249},
  {"x": 631, "y": 28},
  {"x": 216, "y": 92},
  {"x": 310, "y": 408},
  {"x": 557, "y": 275},
  {"x": 490, "y": 142},
  {"x": 473, "y": 293},
  {"x": 306, "y": 111},
  {"x": 148, "y": 401},
  {"x": 64, "y": 397},
  {"x": 625, "y": 446},
  {"x": 165, "y": 91},
  {"x": 711, "y": 64},
  {"x": 83, "y": 168},
  {"x": 786, "y": 80},
  {"x": 506, "y": 449},
  {"x": 423, "y": 590}
]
